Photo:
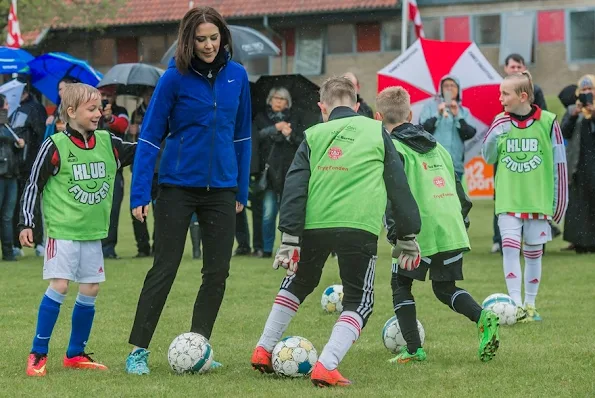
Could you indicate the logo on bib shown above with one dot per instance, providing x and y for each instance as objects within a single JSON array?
[
  {"x": 335, "y": 153},
  {"x": 85, "y": 183},
  {"x": 522, "y": 155},
  {"x": 439, "y": 182}
]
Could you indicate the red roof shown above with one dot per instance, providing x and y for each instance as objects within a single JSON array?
[{"x": 153, "y": 11}]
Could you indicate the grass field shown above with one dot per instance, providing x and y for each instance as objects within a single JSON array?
[{"x": 554, "y": 358}]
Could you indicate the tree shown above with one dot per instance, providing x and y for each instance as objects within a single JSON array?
[{"x": 41, "y": 14}]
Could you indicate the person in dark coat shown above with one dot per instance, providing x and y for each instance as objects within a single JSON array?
[
  {"x": 578, "y": 127},
  {"x": 280, "y": 133}
]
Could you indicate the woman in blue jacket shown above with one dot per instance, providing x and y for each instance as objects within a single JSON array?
[{"x": 204, "y": 99}]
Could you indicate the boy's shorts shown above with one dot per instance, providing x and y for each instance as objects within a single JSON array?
[
  {"x": 76, "y": 260},
  {"x": 534, "y": 232},
  {"x": 443, "y": 267}
]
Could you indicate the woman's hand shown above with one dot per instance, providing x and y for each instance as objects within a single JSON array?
[
  {"x": 49, "y": 120},
  {"x": 239, "y": 207},
  {"x": 578, "y": 109},
  {"x": 141, "y": 212},
  {"x": 454, "y": 108},
  {"x": 442, "y": 110},
  {"x": 281, "y": 125},
  {"x": 21, "y": 143},
  {"x": 287, "y": 130}
]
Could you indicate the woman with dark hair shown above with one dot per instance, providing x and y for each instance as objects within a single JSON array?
[
  {"x": 53, "y": 123},
  {"x": 204, "y": 100}
]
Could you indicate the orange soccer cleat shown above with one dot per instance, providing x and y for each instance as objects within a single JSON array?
[
  {"x": 322, "y": 377},
  {"x": 83, "y": 361},
  {"x": 261, "y": 360},
  {"x": 36, "y": 364}
]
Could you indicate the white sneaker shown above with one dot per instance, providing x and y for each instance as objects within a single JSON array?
[
  {"x": 39, "y": 250},
  {"x": 495, "y": 248},
  {"x": 18, "y": 252}
]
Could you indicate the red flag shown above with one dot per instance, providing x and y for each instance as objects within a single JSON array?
[
  {"x": 415, "y": 16},
  {"x": 14, "y": 38}
]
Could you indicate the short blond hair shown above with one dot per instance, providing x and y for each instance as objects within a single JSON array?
[
  {"x": 337, "y": 91},
  {"x": 394, "y": 104},
  {"x": 523, "y": 83},
  {"x": 75, "y": 95}
]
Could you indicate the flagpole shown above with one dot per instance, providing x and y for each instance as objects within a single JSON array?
[{"x": 404, "y": 24}]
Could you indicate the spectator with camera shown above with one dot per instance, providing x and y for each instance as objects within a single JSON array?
[{"x": 578, "y": 127}]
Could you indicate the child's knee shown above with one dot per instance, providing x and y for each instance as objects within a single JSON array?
[
  {"x": 59, "y": 285},
  {"x": 89, "y": 289},
  {"x": 444, "y": 291}
]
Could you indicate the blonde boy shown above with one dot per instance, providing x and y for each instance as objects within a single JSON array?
[
  {"x": 75, "y": 170},
  {"x": 531, "y": 185},
  {"x": 443, "y": 238}
]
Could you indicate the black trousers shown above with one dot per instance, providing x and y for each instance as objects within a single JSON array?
[
  {"x": 256, "y": 208},
  {"x": 109, "y": 243},
  {"x": 356, "y": 252},
  {"x": 141, "y": 232},
  {"x": 173, "y": 210},
  {"x": 38, "y": 230}
]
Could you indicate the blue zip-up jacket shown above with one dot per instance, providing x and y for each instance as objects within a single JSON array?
[{"x": 208, "y": 145}]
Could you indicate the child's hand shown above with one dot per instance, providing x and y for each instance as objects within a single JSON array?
[{"x": 26, "y": 237}]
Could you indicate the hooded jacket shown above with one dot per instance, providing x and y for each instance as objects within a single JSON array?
[
  {"x": 416, "y": 138},
  {"x": 208, "y": 145},
  {"x": 449, "y": 131}
]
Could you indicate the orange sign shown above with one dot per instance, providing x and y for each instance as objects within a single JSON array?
[{"x": 480, "y": 178}]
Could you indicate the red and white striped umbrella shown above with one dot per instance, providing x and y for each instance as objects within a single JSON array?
[{"x": 421, "y": 67}]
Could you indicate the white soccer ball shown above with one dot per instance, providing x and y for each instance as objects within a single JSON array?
[
  {"x": 503, "y": 306},
  {"x": 294, "y": 356},
  {"x": 393, "y": 338},
  {"x": 190, "y": 353},
  {"x": 332, "y": 299}
]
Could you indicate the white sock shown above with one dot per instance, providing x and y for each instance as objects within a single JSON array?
[
  {"x": 284, "y": 308},
  {"x": 511, "y": 251},
  {"x": 345, "y": 332},
  {"x": 533, "y": 254}
]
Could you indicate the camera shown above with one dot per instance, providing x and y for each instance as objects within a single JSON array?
[
  {"x": 586, "y": 98},
  {"x": 104, "y": 103}
]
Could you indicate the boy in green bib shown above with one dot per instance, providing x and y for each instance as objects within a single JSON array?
[
  {"x": 444, "y": 209},
  {"x": 531, "y": 185},
  {"x": 75, "y": 170},
  {"x": 334, "y": 197}
]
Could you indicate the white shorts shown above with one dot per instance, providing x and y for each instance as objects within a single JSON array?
[
  {"x": 535, "y": 232},
  {"x": 75, "y": 260}
]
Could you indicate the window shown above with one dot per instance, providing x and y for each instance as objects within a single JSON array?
[
  {"x": 152, "y": 48},
  {"x": 340, "y": 39},
  {"x": 432, "y": 28},
  {"x": 257, "y": 66},
  {"x": 309, "y": 51},
  {"x": 518, "y": 35},
  {"x": 104, "y": 52},
  {"x": 391, "y": 35},
  {"x": 486, "y": 29},
  {"x": 582, "y": 35}
]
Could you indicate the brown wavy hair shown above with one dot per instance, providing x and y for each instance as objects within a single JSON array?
[{"x": 187, "y": 32}]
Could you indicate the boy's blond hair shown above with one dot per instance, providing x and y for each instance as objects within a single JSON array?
[
  {"x": 394, "y": 104},
  {"x": 75, "y": 95},
  {"x": 523, "y": 84},
  {"x": 337, "y": 91}
]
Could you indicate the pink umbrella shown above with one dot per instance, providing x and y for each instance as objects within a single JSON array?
[{"x": 421, "y": 67}]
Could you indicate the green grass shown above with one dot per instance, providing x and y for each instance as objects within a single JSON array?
[{"x": 554, "y": 358}]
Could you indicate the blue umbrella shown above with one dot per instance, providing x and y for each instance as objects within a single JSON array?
[
  {"x": 13, "y": 60},
  {"x": 48, "y": 69}
]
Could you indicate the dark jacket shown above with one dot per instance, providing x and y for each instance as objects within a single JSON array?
[
  {"x": 539, "y": 97},
  {"x": 292, "y": 217},
  {"x": 364, "y": 108},
  {"x": 274, "y": 148},
  {"x": 28, "y": 122},
  {"x": 416, "y": 138},
  {"x": 9, "y": 153},
  {"x": 572, "y": 128},
  {"x": 208, "y": 145}
]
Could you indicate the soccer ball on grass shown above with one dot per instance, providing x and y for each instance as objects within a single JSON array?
[
  {"x": 294, "y": 356},
  {"x": 190, "y": 353}
]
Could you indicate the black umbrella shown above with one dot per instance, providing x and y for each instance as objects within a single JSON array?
[
  {"x": 248, "y": 44},
  {"x": 304, "y": 95},
  {"x": 568, "y": 95},
  {"x": 131, "y": 79}
]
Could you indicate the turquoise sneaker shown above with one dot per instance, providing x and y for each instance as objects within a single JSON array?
[
  {"x": 137, "y": 362},
  {"x": 215, "y": 365},
  {"x": 532, "y": 314}
]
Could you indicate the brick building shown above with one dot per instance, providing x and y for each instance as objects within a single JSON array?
[{"x": 320, "y": 39}]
